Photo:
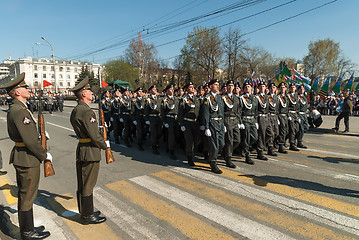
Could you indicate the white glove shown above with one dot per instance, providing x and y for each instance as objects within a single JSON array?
[
  {"x": 183, "y": 128},
  {"x": 121, "y": 119},
  {"x": 207, "y": 132},
  {"x": 225, "y": 129},
  {"x": 278, "y": 122},
  {"x": 135, "y": 122},
  {"x": 47, "y": 135},
  {"x": 167, "y": 125},
  {"x": 299, "y": 120},
  {"x": 49, "y": 156},
  {"x": 148, "y": 122},
  {"x": 242, "y": 126},
  {"x": 257, "y": 126},
  {"x": 107, "y": 143},
  {"x": 202, "y": 128},
  {"x": 106, "y": 124},
  {"x": 111, "y": 119},
  {"x": 290, "y": 118}
]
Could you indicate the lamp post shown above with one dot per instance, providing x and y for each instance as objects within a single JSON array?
[{"x": 53, "y": 59}]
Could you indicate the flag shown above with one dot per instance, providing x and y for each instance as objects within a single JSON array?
[
  {"x": 325, "y": 86},
  {"x": 269, "y": 81},
  {"x": 253, "y": 76},
  {"x": 104, "y": 84},
  {"x": 307, "y": 87},
  {"x": 350, "y": 83},
  {"x": 315, "y": 85},
  {"x": 209, "y": 78},
  {"x": 46, "y": 83},
  {"x": 336, "y": 88},
  {"x": 254, "y": 83},
  {"x": 296, "y": 74}
]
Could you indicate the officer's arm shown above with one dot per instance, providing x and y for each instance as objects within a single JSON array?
[
  {"x": 28, "y": 132},
  {"x": 205, "y": 115},
  {"x": 180, "y": 113},
  {"x": 91, "y": 125}
]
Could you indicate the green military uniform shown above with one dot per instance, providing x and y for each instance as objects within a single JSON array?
[
  {"x": 283, "y": 119},
  {"x": 293, "y": 120},
  {"x": 273, "y": 114},
  {"x": 152, "y": 115},
  {"x": 115, "y": 118},
  {"x": 26, "y": 156},
  {"x": 88, "y": 155},
  {"x": 137, "y": 113},
  {"x": 303, "y": 119},
  {"x": 125, "y": 117}
]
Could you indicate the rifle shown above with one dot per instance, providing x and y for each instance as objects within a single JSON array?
[
  {"x": 48, "y": 168},
  {"x": 108, "y": 153}
]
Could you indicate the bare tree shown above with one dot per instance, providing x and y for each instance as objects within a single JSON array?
[{"x": 253, "y": 58}]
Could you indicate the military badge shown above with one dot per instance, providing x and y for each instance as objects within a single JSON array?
[
  {"x": 92, "y": 119},
  {"x": 26, "y": 121}
]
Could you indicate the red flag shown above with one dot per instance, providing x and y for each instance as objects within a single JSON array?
[
  {"x": 103, "y": 84},
  {"x": 46, "y": 83}
]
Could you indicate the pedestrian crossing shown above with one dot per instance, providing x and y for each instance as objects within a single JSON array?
[{"x": 193, "y": 203}]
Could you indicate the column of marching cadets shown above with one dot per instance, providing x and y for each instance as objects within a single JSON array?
[{"x": 210, "y": 120}]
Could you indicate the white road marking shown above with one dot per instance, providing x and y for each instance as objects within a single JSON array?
[
  {"x": 331, "y": 153},
  {"x": 53, "y": 124}
]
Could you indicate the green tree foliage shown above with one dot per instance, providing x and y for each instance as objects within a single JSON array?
[{"x": 120, "y": 70}]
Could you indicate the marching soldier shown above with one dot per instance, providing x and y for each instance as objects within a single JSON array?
[
  {"x": 249, "y": 118},
  {"x": 303, "y": 119},
  {"x": 213, "y": 119},
  {"x": 26, "y": 155},
  {"x": 60, "y": 101},
  {"x": 138, "y": 110},
  {"x": 282, "y": 116},
  {"x": 88, "y": 153},
  {"x": 204, "y": 145},
  {"x": 293, "y": 117},
  {"x": 265, "y": 132},
  {"x": 31, "y": 102},
  {"x": 232, "y": 122},
  {"x": 125, "y": 118},
  {"x": 106, "y": 103},
  {"x": 169, "y": 114},
  {"x": 152, "y": 116},
  {"x": 273, "y": 110},
  {"x": 188, "y": 114},
  {"x": 115, "y": 115}
]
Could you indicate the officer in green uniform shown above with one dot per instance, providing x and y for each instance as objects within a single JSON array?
[
  {"x": 153, "y": 118},
  {"x": 213, "y": 119},
  {"x": 88, "y": 153},
  {"x": 115, "y": 115},
  {"x": 273, "y": 111},
  {"x": 125, "y": 118},
  {"x": 282, "y": 116},
  {"x": 293, "y": 120},
  {"x": 138, "y": 119},
  {"x": 249, "y": 118},
  {"x": 26, "y": 156},
  {"x": 169, "y": 114},
  {"x": 232, "y": 122},
  {"x": 303, "y": 119}
]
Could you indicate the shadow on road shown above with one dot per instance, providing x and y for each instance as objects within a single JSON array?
[
  {"x": 7, "y": 228},
  {"x": 336, "y": 159}
]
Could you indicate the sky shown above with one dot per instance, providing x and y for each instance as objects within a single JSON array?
[{"x": 81, "y": 29}]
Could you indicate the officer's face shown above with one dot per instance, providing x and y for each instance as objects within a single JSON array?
[
  {"x": 272, "y": 89},
  {"x": 230, "y": 88},
  {"x": 154, "y": 91},
  {"x": 190, "y": 89},
  {"x": 214, "y": 87},
  {"x": 24, "y": 92},
  {"x": 301, "y": 90},
  {"x": 262, "y": 88},
  {"x": 282, "y": 89},
  {"x": 170, "y": 91},
  {"x": 292, "y": 89},
  {"x": 248, "y": 89},
  {"x": 139, "y": 93}
]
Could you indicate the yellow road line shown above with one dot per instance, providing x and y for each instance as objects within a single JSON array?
[
  {"x": 300, "y": 227},
  {"x": 189, "y": 225},
  {"x": 93, "y": 231},
  {"x": 327, "y": 202},
  {"x": 328, "y": 144},
  {"x": 8, "y": 190}
]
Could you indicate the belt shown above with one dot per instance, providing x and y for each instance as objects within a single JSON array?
[
  {"x": 172, "y": 116},
  {"x": 233, "y": 118},
  {"x": 262, "y": 115},
  {"x": 283, "y": 114},
  {"x": 292, "y": 111},
  {"x": 301, "y": 112},
  {"x": 84, "y": 140},
  {"x": 189, "y": 119},
  {"x": 116, "y": 113},
  {"x": 273, "y": 114},
  {"x": 127, "y": 113},
  {"x": 153, "y": 115},
  {"x": 105, "y": 111},
  {"x": 217, "y": 119},
  {"x": 19, "y": 144},
  {"x": 248, "y": 117}
]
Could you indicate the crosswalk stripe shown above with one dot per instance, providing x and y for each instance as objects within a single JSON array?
[
  {"x": 320, "y": 215},
  {"x": 66, "y": 202},
  {"x": 235, "y": 222},
  {"x": 327, "y": 202},
  {"x": 128, "y": 219},
  {"x": 187, "y": 224},
  {"x": 8, "y": 190}
]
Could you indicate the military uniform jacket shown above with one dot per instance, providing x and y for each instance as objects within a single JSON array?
[
  {"x": 84, "y": 122},
  {"x": 293, "y": 102},
  {"x": 115, "y": 107},
  {"x": 302, "y": 104},
  {"x": 263, "y": 103},
  {"x": 125, "y": 107},
  {"x": 249, "y": 105},
  {"x": 138, "y": 108},
  {"x": 153, "y": 107},
  {"x": 106, "y": 105},
  {"x": 283, "y": 104},
  {"x": 232, "y": 110},
  {"x": 213, "y": 112},
  {"x": 22, "y": 127},
  {"x": 273, "y": 104},
  {"x": 169, "y": 109},
  {"x": 188, "y": 109}
]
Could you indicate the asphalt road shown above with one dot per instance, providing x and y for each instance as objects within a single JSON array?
[{"x": 311, "y": 194}]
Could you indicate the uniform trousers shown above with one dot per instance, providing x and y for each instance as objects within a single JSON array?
[
  {"x": 156, "y": 130},
  {"x": 87, "y": 173},
  {"x": 303, "y": 126},
  {"x": 265, "y": 133},
  {"x": 216, "y": 140},
  {"x": 27, "y": 179},
  {"x": 273, "y": 119},
  {"x": 232, "y": 137},
  {"x": 192, "y": 137},
  {"x": 283, "y": 128},
  {"x": 250, "y": 133},
  {"x": 293, "y": 128}
]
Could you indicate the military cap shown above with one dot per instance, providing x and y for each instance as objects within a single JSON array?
[
  {"x": 187, "y": 85},
  {"x": 17, "y": 82},
  {"x": 124, "y": 89},
  {"x": 223, "y": 86},
  {"x": 247, "y": 83},
  {"x": 168, "y": 87},
  {"x": 150, "y": 88},
  {"x": 84, "y": 84},
  {"x": 139, "y": 89},
  {"x": 262, "y": 83},
  {"x": 292, "y": 84},
  {"x": 282, "y": 84},
  {"x": 301, "y": 85},
  {"x": 200, "y": 87},
  {"x": 272, "y": 85},
  {"x": 230, "y": 82},
  {"x": 213, "y": 81}
]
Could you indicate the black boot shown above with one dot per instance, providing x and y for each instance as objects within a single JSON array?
[
  {"x": 155, "y": 150},
  {"x": 281, "y": 149},
  {"x": 141, "y": 148},
  {"x": 27, "y": 230},
  {"x": 190, "y": 161},
  {"x": 249, "y": 160},
  {"x": 172, "y": 155},
  {"x": 293, "y": 147},
  {"x": 206, "y": 156},
  {"x": 301, "y": 145},
  {"x": 88, "y": 216},
  {"x": 260, "y": 156},
  {"x": 214, "y": 167},
  {"x": 271, "y": 152},
  {"x": 229, "y": 163}
]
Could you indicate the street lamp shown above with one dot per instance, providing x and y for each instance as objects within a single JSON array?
[{"x": 53, "y": 58}]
